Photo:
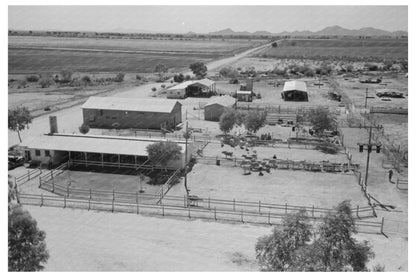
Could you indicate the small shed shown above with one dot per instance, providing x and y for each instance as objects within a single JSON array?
[
  {"x": 216, "y": 106},
  {"x": 244, "y": 96},
  {"x": 295, "y": 91},
  {"x": 178, "y": 91}
]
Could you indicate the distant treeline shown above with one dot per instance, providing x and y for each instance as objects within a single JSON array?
[{"x": 189, "y": 36}]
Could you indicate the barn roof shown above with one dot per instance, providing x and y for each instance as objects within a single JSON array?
[
  {"x": 295, "y": 85},
  {"x": 225, "y": 101},
  {"x": 130, "y": 104},
  {"x": 94, "y": 144},
  {"x": 203, "y": 82}
]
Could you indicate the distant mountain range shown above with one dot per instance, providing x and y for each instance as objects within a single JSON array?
[{"x": 328, "y": 31}]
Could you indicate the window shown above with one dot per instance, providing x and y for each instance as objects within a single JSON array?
[
  {"x": 37, "y": 152},
  {"x": 47, "y": 153},
  {"x": 101, "y": 112}
]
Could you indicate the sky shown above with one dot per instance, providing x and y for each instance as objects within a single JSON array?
[{"x": 203, "y": 19}]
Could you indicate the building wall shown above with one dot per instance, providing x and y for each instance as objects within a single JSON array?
[
  {"x": 131, "y": 119},
  {"x": 213, "y": 112},
  {"x": 176, "y": 94},
  {"x": 295, "y": 95},
  {"x": 55, "y": 157}
]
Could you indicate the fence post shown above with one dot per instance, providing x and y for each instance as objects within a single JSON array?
[
  {"x": 235, "y": 161},
  {"x": 285, "y": 208},
  {"x": 382, "y": 225},
  {"x": 209, "y": 203},
  {"x": 268, "y": 218},
  {"x": 90, "y": 193},
  {"x": 184, "y": 201},
  {"x": 89, "y": 203},
  {"x": 242, "y": 220},
  {"x": 64, "y": 202},
  {"x": 67, "y": 190},
  {"x": 189, "y": 211},
  {"x": 358, "y": 207},
  {"x": 28, "y": 175},
  {"x": 40, "y": 182},
  {"x": 163, "y": 210},
  {"x": 41, "y": 199},
  {"x": 313, "y": 211},
  {"x": 215, "y": 213},
  {"x": 112, "y": 206},
  {"x": 114, "y": 195},
  {"x": 234, "y": 205},
  {"x": 53, "y": 186},
  {"x": 259, "y": 206}
]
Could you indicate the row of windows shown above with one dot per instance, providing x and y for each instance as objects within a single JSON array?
[{"x": 47, "y": 153}]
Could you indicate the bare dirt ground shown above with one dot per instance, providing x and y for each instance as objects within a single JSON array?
[{"x": 81, "y": 240}]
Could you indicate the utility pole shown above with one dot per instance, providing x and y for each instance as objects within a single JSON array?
[
  {"x": 369, "y": 149},
  {"x": 186, "y": 158},
  {"x": 366, "y": 96}
]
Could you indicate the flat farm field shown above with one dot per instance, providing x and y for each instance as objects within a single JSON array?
[
  {"x": 340, "y": 48},
  {"x": 51, "y": 54}
]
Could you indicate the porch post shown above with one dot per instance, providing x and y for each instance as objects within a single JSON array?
[
  {"x": 102, "y": 159},
  {"x": 135, "y": 162},
  {"x": 118, "y": 155},
  {"x": 86, "y": 159}
]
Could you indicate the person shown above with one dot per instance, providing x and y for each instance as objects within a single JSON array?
[
  {"x": 274, "y": 157},
  {"x": 390, "y": 175}
]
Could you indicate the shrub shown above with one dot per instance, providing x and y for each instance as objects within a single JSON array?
[
  {"x": 153, "y": 89},
  {"x": 32, "y": 78},
  {"x": 327, "y": 148},
  {"x": 274, "y": 44},
  {"x": 84, "y": 128},
  {"x": 46, "y": 82},
  {"x": 66, "y": 76},
  {"x": 119, "y": 78},
  {"x": 86, "y": 79}
]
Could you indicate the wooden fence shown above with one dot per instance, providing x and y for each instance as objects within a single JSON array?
[
  {"x": 402, "y": 184},
  {"x": 283, "y": 164},
  {"x": 50, "y": 175},
  {"x": 30, "y": 174},
  {"x": 202, "y": 203},
  {"x": 226, "y": 215}
]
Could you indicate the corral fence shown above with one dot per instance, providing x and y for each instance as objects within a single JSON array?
[
  {"x": 402, "y": 184},
  {"x": 388, "y": 110},
  {"x": 217, "y": 214},
  {"x": 30, "y": 174},
  {"x": 282, "y": 164},
  {"x": 50, "y": 175}
]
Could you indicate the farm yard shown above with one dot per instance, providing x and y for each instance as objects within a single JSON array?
[{"x": 314, "y": 178}]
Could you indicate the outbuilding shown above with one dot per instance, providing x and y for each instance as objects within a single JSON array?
[
  {"x": 244, "y": 96},
  {"x": 198, "y": 88},
  {"x": 217, "y": 105},
  {"x": 295, "y": 91},
  {"x": 126, "y": 113},
  {"x": 103, "y": 151}
]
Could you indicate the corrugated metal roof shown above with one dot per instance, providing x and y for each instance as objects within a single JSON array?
[
  {"x": 204, "y": 82},
  {"x": 94, "y": 144},
  {"x": 225, "y": 101},
  {"x": 295, "y": 85},
  {"x": 181, "y": 85},
  {"x": 130, "y": 104}
]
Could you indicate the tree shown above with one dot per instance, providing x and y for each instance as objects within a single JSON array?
[
  {"x": 227, "y": 120},
  {"x": 46, "y": 82},
  {"x": 119, "y": 78},
  {"x": 322, "y": 120},
  {"x": 228, "y": 72},
  {"x": 199, "y": 69},
  {"x": 19, "y": 119},
  {"x": 274, "y": 44},
  {"x": 84, "y": 128},
  {"x": 296, "y": 246},
  {"x": 26, "y": 243},
  {"x": 164, "y": 152},
  {"x": 179, "y": 78},
  {"x": 161, "y": 69},
  {"x": 253, "y": 121},
  {"x": 66, "y": 76}
]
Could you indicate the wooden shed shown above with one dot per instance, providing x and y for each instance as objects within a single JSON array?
[
  {"x": 295, "y": 91},
  {"x": 216, "y": 106}
]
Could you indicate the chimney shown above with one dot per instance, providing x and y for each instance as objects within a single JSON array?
[{"x": 53, "y": 124}]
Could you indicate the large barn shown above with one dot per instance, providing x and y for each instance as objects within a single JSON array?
[
  {"x": 125, "y": 113},
  {"x": 216, "y": 106},
  {"x": 88, "y": 150},
  {"x": 199, "y": 88},
  {"x": 295, "y": 91}
]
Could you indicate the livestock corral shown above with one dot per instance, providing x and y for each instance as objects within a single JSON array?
[{"x": 238, "y": 176}]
